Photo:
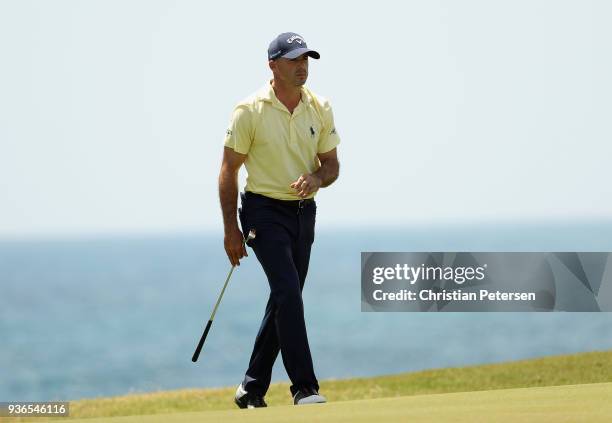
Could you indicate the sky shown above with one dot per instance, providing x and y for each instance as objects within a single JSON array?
[{"x": 113, "y": 113}]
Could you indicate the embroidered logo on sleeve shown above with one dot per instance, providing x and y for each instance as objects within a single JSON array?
[
  {"x": 333, "y": 131},
  {"x": 228, "y": 132}
]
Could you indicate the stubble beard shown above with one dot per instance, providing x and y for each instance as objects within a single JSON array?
[{"x": 300, "y": 82}]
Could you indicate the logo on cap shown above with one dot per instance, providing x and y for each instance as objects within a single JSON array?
[{"x": 295, "y": 38}]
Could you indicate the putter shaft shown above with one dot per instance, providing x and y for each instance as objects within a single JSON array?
[{"x": 198, "y": 349}]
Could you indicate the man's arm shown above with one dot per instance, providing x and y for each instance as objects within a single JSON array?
[
  {"x": 228, "y": 195},
  {"x": 323, "y": 177},
  {"x": 330, "y": 168}
]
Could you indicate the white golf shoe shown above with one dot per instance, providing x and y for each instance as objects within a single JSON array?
[{"x": 308, "y": 396}]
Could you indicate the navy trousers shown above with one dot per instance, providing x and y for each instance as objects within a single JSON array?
[{"x": 284, "y": 235}]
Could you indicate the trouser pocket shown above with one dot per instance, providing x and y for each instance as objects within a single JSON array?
[{"x": 248, "y": 213}]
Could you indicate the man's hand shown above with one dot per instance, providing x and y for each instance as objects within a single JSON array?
[
  {"x": 324, "y": 176},
  {"x": 306, "y": 185},
  {"x": 234, "y": 246}
]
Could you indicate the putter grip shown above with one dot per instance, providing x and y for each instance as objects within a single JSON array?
[{"x": 196, "y": 354}]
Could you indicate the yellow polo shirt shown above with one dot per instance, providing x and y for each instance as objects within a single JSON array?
[{"x": 280, "y": 146}]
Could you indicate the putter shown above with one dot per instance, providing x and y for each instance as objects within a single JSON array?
[{"x": 196, "y": 354}]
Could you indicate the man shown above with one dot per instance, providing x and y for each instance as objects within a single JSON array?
[{"x": 285, "y": 137}]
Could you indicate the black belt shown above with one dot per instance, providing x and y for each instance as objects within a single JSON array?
[{"x": 292, "y": 203}]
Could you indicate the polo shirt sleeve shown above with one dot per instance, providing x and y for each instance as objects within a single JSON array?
[
  {"x": 329, "y": 138},
  {"x": 239, "y": 134}
]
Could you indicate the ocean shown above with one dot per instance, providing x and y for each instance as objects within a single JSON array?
[{"x": 101, "y": 316}]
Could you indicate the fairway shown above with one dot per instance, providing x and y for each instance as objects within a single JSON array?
[{"x": 568, "y": 403}]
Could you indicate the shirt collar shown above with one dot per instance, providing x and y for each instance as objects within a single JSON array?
[{"x": 266, "y": 93}]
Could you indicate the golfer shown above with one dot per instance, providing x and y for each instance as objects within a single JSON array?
[{"x": 285, "y": 136}]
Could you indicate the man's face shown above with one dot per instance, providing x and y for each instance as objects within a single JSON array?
[{"x": 293, "y": 72}]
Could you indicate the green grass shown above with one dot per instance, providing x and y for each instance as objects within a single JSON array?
[
  {"x": 575, "y": 369},
  {"x": 567, "y": 403}
]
